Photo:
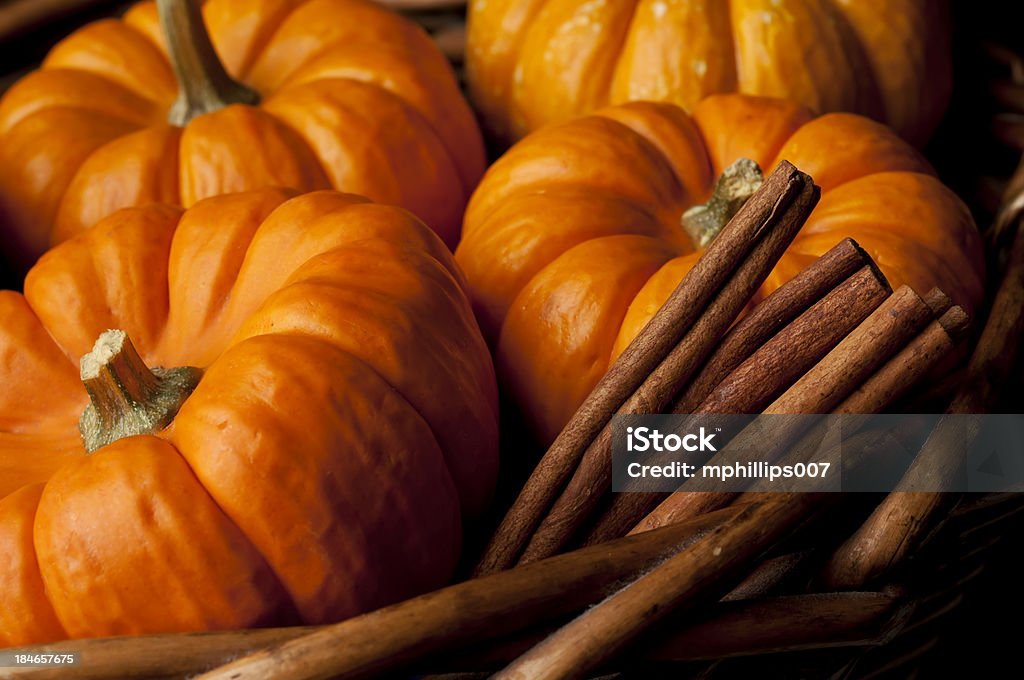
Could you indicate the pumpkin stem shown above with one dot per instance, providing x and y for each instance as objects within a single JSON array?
[
  {"x": 126, "y": 397},
  {"x": 204, "y": 85},
  {"x": 737, "y": 184}
]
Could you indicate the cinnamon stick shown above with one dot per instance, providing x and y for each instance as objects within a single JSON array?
[
  {"x": 822, "y": 388},
  {"x": 885, "y": 332},
  {"x": 774, "y": 368},
  {"x": 938, "y": 302},
  {"x": 704, "y": 570},
  {"x": 483, "y": 608},
  {"x": 772, "y": 314},
  {"x": 901, "y": 520},
  {"x": 734, "y": 629},
  {"x": 898, "y": 525},
  {"x": 592, "y": 478},
  {"x": 893, "y": 380},
  {"x": 765, "y": 374},
  {"x": 786, "y": 197}
]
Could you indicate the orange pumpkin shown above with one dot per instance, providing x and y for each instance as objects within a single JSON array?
[
  {"x": 534, "y": 62},
  {"x": 345, "y": 419},
  {"x": 573, "y": 240},
  {"x": 350, "y": 96}
]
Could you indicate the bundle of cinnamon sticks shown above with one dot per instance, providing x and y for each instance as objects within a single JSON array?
[{"x": 833, "y": 339}]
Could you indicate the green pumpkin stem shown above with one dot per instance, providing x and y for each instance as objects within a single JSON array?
[
  {"x": 203, "y": 84},
  {"x": 737, "y": 184},
  {"x": 126, "y": 397}
]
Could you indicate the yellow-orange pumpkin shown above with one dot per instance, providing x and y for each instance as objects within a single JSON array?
[
  {"x": 533, "y": 62},
  {"x": 351, "y": 96},
  {"x": 344, "y": 421},
  {"x": 573, "y": 240}
]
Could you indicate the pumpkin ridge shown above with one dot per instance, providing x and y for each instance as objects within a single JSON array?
[
  {"x": 48, "y": 453},
  {"x": 299, "y": 137},
  {"x": 181, "y": 258},
  {"x": 618, "y": 51},
  {"x": 770, "y": 154},
  {"x": 92, "y": 104},
  {"x": 876, "y": 107},
  {"x": 321, "y": 220},
  {"x": 268, "y": 136},
  {"x": 663, "y": 232},
  {"x": 355, "y": 309},
  {"x": 408, "y": 107},
  {"x": 110, "y": 75},
  {"x": 221, "y": 478},
  {"x": 734, "y": 54},
  {"x": 22, "y": 503},
  {"x": 294, "y": 65},
  {"x": 659, "y": 195},
  {"x": 68, "y": 220},
  {"x": 271, "y": 596},
  {"x": 964, "y": 242},
  {"x": 612, "y": 112},
  {"x": 261, "y": 43},
  {"x": 287, "y": 610},
  {"x": 37, "y": 321}
]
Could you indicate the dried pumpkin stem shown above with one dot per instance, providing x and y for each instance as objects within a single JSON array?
[
  {"x": 737, "y": 184},
  {"x": 126, "y": 397},
  {"x": 204, "y": 85}
]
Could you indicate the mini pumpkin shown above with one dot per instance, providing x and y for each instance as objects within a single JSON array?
[
  {"x": 573, "y": 239},
  {"x": 534, "y": 62},
  {"x": 337, "y": 419},
  {"x": 340, "y": 94}
]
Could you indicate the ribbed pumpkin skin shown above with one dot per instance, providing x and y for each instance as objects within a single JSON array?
[
  {"x": 345, "y": 423},
  {"x": 353, "y": 97},
  {"x": 572, "y": 240},
  {"x": 534, "y": 62}
]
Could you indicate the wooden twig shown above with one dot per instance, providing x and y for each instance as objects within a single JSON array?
[
  {"x": 705, "y": 570},
  {"x": 784, "y": 200}
]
